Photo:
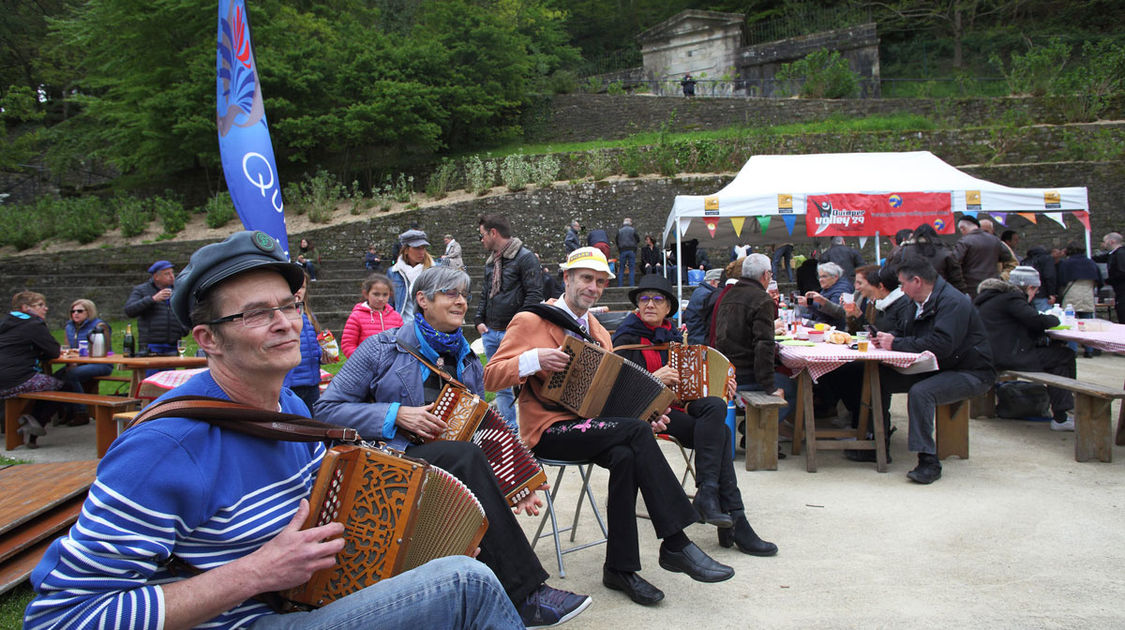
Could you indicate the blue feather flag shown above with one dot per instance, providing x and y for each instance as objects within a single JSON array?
[{"x": 244, "y": 136}]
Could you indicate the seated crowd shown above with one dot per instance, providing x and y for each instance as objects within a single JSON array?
[{"x": 168, "y": 537}]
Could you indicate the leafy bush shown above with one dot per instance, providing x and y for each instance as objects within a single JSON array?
[
  {"x": 319, "y": 194},
  {"x": 546, "y": 170},
  {"x": 821, "y": 74},
  {"x": 441, "y": 180},
  {"x": 1035, "y": 72},
  {"x": 1089, "y": 88},
  {"x": 632, "y": 160},
  {"x": 133, "y": 216},
  {"x": 593, "y": 85},
  {"x": 354, "y": 195},
  {"x": 598, "y": 164},
  {"x": 617, "y": 88},
  {"x": 403, "y": 189},
  {"x": 479, "y": 175},
  {"x": 563, "y": 82},
  {"x": 25, "y": 226},
  {"x": 219, "y": 210},
  {"x": 81, "y": 219},
  {"x": 172, "y": 214},
  {"x": 515, "y": 171}
]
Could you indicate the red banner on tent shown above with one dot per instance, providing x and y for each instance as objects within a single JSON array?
[{"x": 864, "y": 215}]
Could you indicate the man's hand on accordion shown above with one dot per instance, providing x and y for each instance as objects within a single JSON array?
[
  {"x": 531, "y": 503},
  {"x": 291, "y": 557},
  {"x": 552, "y": 359},
  {"x": 419, "y": 421}
]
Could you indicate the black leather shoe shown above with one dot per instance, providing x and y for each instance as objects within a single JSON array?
[
  {"x": 633, "y": 585},
  {"x": 698, "y": 565},
  {"x": 706, "y": 503},
  {"x": 927, "y": 471},
  {"x": 747, "y": 540}
]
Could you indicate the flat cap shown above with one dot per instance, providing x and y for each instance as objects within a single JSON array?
[{"x": 214, "y": 263}]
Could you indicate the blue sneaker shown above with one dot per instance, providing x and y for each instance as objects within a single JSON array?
[{"x": 548, "y": 607}]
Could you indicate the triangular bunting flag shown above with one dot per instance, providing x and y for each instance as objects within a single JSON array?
[
  {"x": 684, "y": 225},
  {"x": 790, "y": 221},
  {"x": 712, "y": 225},
  {"x": 1084, "y": 217},
  {"x": 736, "y": 223},
  {"x": 764, "y": 223},
  {"x": 1057, "y": 217},
  {"x": 862, "y": 241},
  {"x": 1030, "y": 216},
  {"x": 1000, "y": 217}
]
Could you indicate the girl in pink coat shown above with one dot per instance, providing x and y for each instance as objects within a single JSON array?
[{"x": 372, "y": 316}]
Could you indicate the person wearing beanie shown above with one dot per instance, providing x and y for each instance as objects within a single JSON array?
[
  {"x": 1019, "y": 342},
  {"x": 697, "y": 317}
]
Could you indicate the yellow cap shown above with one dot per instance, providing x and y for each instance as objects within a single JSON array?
[{"x": 588, "y": 258}]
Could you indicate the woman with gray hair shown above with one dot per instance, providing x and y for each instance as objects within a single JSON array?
[
  {"x": 387, "y": 393},
  {"x": 825, "y": 306}
]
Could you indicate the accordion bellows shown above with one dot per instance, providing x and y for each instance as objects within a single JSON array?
[
  {"x": 398, "y": 513},
  {"x": 703, "y": 370},
  {"x": 468, "y": 418},
  {"x": 598, "y": 383}
]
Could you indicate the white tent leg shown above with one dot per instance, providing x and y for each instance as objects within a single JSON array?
[
  {"x": 1088, "y": 254},
  {"x": 679, "y": 273},
  {"x": 877, "y": 256}
]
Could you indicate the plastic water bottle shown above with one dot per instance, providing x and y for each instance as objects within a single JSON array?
[{"x": 1068, "y": 315}]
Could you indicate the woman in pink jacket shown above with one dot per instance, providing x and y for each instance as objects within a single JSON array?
[{"x": 372, "y": 316}]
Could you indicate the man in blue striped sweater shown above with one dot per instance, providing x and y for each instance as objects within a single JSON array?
[{"x": 229, "y": 504}]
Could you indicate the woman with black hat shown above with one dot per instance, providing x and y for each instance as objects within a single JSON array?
[{"x": 700, "y": 424}]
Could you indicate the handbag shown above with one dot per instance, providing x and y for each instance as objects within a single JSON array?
[{"x": 1020, "y": 400}]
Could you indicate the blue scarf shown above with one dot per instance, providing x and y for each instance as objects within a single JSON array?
[{"x": 432, "y": 343}]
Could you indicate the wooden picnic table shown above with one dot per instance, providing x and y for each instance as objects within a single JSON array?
[
  {"x": 138, "y": 366},
  {"x": 814, "y": 360},
  {"x": 1104, "y": 336}
]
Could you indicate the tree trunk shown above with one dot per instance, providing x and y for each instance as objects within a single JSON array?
[{"x": 958, "y": 34}]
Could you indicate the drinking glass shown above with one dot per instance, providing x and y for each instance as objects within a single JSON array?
[{"x": 181, "y": 347}]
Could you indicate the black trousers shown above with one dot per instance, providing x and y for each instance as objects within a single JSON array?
[
  {"x": 627, "y": 447},
  {"x": 504, "y": 548},
  {"x": 1055, "y": 359},
  {"x": 702, "y": 426}
]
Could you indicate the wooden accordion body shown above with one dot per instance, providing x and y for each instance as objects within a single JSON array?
[
  {"x": 468, "y": 418},
  {"x": 597, "y": 382},
  {"x": 703, "y": 370},
  {"x": 398, "y": 513}
]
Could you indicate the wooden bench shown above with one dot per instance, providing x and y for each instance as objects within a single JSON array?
[
  {"x": 1093, "y": 425},
  {"x": 951, "y": 429},
  {"x": 103, "y": 408},
  {"x": 761, "y": 429}
]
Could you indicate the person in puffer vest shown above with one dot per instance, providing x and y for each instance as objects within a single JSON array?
[{"x": 371, "y": 316}]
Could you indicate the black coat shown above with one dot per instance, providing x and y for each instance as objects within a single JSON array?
[
  {"x": 521, "y": 284},
  {"x": 1014, "y": 326},
  {"x": 22, "y": 343},
  {"x": 1041, "y": 259},
  {"x": 939, "y": 257},
  {"x": 744, "y": 332},
  {"x": 951, "y": 329},
  {"x": 156, "y": 323}
]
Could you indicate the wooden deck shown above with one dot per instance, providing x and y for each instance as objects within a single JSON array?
[{"x": 41, "y": 502}]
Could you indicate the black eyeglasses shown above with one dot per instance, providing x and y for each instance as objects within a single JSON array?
[
  {"x": 480, "y": 235},
  {"x": 77, "y": 310},
  {"x": 257, "y": 317},
  {"x": 651, "y": 298}
]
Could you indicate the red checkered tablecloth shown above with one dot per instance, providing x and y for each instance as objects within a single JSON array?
[
  {"x": 822, "y": 358},
  {"x": 1110, "y": 339}
]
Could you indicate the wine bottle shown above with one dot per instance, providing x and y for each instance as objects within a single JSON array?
[{"x": 129, "y": 347}]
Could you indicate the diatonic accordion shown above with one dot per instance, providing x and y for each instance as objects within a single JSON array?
[
  {"x": 703, "y": 370},
  {"x": 398, "y": 513},
  {"x": 597, "y": 382},
  {"x": 468, "y": 418}
]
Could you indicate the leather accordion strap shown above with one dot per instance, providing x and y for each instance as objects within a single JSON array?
[
  {"x": 560, "y": 318},
  {"x": 640, "y": 346},
  {"x": 271, "y": 425}
]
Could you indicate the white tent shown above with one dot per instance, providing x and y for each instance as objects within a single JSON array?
[{"x": 767, "y": 200}]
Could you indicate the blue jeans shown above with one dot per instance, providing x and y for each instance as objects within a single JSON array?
[
  {"x": 1040, "y": 304},
  {"x": 628, "y": 257},
  {"x": 787, "y": 385},
  {"x": 453, "y": 592},
  {"x": 787, "y": 258},
  {"x": 505, "y": 399}
]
